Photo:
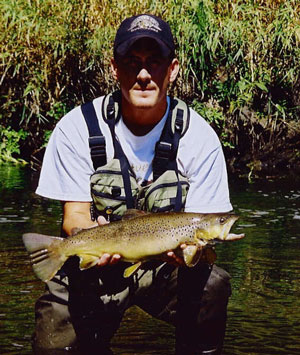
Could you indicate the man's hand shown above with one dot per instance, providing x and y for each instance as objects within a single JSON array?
[
  {"x": 174, "y": 259},
  {"x": 208, "y": 255},
  {"x": 107, "y": 259}
]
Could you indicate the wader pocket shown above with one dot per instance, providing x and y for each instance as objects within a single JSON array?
[
  {"x": 107, "y": 189},
  {"x": 160, "y": 196}
]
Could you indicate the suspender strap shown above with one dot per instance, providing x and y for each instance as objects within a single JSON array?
[
  {"x": 177, "y": 135},
  {"x": 167, "y": 146},
  {"x": 119, "y": 154},
  {"x": 96, "y": 139},
  {"x": 166, "y": 151}
]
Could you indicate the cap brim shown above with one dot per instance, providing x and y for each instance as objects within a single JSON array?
[{"x": 124, "y": 47}]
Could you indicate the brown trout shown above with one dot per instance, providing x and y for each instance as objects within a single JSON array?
[{"x": 138, "y": 237}]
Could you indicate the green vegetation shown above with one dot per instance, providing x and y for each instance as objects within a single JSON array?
[
  {"x": 9, "y": 145},
  {"x": 240, "y": 65}
]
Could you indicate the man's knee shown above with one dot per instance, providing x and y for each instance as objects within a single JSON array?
[
  {"x": 212, "y": 315},
  {"x": 216, "y": 293},
  {"x": 202, "y": 307},
  {"x": 53, "y": 328}
]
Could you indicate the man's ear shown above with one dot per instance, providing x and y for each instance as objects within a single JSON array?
[
  {"x": 173, "y": 70},
  {"x": 114, "y": 69}
]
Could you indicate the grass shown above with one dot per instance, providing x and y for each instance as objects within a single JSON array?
[{"x": 234, "y": 54}]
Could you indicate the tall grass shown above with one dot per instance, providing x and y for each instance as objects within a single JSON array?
[{"x": 240, "y": 61}]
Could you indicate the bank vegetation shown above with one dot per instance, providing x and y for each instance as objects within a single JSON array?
[{"x": 240, "y": 70}]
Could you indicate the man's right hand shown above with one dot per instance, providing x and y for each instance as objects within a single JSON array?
[{"x": 107, "y": 259}]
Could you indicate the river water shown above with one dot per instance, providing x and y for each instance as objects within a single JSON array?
[{"x": 264, "y": 310}]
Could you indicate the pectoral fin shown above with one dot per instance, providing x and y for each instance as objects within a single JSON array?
[
  {"x": 132, "y": 269},
  {"x": 191, "y": 255},
  {"x": 87, "y": 261},
  {"x": 202, "y": 237}
]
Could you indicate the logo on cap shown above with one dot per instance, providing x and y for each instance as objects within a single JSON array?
[{"x": 144, "y": 22}]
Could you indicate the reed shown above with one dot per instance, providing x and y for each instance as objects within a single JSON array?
[{"x": 234, "y": 54}]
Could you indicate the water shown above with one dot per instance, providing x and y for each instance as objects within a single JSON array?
[{"x": 264, "y": 310}]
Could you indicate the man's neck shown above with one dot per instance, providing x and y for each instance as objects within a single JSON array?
[{"x": 141, "y": 121}]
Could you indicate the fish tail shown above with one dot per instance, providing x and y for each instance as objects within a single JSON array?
[{"x": 44, "y": 255}]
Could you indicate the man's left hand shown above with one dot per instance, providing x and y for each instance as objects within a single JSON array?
[
  {"x": 174, "y": 259},
  {"x": 208, "y": 255}
]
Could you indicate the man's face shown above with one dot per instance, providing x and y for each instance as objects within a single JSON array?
[{"x": 144, "y": 75}]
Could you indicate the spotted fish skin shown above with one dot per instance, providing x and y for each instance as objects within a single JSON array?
[{"x": 137, "y": 238}]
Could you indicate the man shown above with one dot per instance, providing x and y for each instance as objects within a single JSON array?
[{"x": 82, "y": 309}]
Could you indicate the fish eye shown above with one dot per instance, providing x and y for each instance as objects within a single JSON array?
[{"x": 223, "y": 220}]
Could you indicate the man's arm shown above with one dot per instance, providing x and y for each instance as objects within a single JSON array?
[{"x": 77, "y": 215}]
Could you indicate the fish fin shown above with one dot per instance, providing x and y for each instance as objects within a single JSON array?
[
  {"x": 191, "y": 255},
  {"x": 87, "y": 261},
  {"x": 132, "y": 269},
  {"x": 44, "y": 256},
  {"x": 202, "y": 235},
  {"x": 133, "y": 213},
  {"x": 75, "y": 231}
]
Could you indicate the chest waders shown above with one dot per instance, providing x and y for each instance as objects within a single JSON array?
[{"x": 114, "y": 187}]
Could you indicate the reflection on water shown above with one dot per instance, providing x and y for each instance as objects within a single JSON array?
[{"x": 264, "y": 310}]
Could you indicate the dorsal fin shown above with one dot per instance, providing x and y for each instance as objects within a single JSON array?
[
  {"x": 133, "y": 213},
  {"x": 75, "y": 231}
]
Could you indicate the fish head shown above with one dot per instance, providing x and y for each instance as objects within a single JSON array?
[{"x": 216, "y": 227}]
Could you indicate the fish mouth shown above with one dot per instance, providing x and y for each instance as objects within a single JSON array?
[
  {"x": 225, "y": 235},
  {"x": 233, "y": 236}
]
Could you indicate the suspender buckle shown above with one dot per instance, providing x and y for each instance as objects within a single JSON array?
[
  {"x": 179, "y": 120},
  {"x": 163, "y": 150},
  {"x": 97, "y": 146},
  {"x": 163, "y": 155}
]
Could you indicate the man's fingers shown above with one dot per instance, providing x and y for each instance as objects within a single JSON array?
[
  {"x": 171, "y": 254},
  {"x": 172, "y": 258},
  {"x": 101, "y": 221},
  {"x": 104, "y": 260},
  {"x": 107, "y": 259},
  {"x": 115, "y": 258}
]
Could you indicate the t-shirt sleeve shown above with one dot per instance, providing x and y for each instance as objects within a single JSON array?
[
  {"x": 67, "y": 166},
  {"x": 203, "y": 162}
]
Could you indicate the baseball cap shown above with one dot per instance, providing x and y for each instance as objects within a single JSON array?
[{"x": 141, "y": 26}]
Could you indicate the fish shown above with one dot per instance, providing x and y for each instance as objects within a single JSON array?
[{"x": 138, "y": 237}]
